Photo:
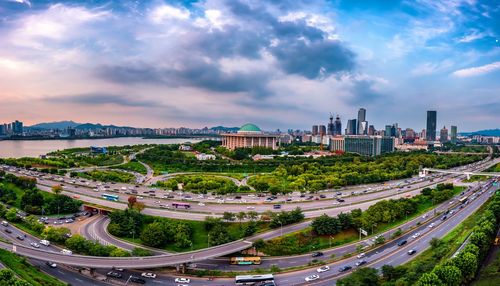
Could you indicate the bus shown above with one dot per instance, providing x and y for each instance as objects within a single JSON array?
[
  {"x": 109, "y": 197},
  {"x": 463, "y": 200},
  {"x": 181, "y": 205},
  {"x": 254, "y": 279},
  {"x": 245, "y": 260}
]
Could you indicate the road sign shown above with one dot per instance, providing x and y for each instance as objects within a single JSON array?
[{"x": 363, "y": 232}]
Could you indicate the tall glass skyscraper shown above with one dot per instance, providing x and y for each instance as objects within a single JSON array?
[
  {"x": 362, "y": 124},
  {"x": 430, "y": 131}
]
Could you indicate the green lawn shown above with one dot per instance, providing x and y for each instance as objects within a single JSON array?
[
  {"x": 108, "y": 176},
  {"x": 27, "y": 271},
  {"x": 495, "y": 168},
  {"x": 133, "y": 166}
]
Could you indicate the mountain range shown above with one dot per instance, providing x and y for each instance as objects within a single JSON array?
[
  {"x": 86, "y": 126},
  {"x": 486, "y": 132}
]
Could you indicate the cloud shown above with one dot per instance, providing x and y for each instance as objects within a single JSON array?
[
  {"x": 472, "y": 36},
  {"x": 26, "y": 2},
  {"x": 431, "y": 68},
  {"x": 103, "y": 99},
  {"x": 475, "y": 71}
]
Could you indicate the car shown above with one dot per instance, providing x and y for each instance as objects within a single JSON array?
[
  {"x": 148, "y": 275},
  {"x": 424, "y": 216},
  {"x": 416, "y": 235},
  {"x": 277, "y": 207},
  {"x": 66, "y": 252},
  {"x": 361, "y": 262},
  {"x": 51, "y": 264},
  {"x": 323, "y": 269},
  {"x": 45, "y": 242},
  {"x": 201, "y": 204},
  {"x": 361, "y": 255},
  {"x": 444, "y": 218},
  {"x": 322, "y": 196},
  {"x": 311, "y": 278},
  {"x": 340, "y": 200},
  {"x": 411, "y": 251},
  {"x": 432, "y": 225},
  {"x": 402, "y": 242},
  {"x": 345, "y": 268},
  {"x": 20, "y": 237},
  {"x": 7, "y": 230},
  {"x": 137, "y": 280},
  {"x": 250, "y": 208},
  {"x": 5, "y": 223},
  {"x": 317, "y": 254},
  {"x": 114, "y": 274},
  {"x": 35, "y": 245},
  {"x": 182, "y": 280}
]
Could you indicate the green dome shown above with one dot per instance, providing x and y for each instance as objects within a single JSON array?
[{"x": 249, "y": 127}]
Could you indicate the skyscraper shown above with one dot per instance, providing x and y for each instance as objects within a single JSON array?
[
  {"x": 453, "y": 134},
  {"x": 362, "y": 123},
  {"x": 443, "y": 135},
  {"x": 322, "y": 130},
  {"x": 315, "y": 130},
  {"x": 337, "y": 126},
  {"x": 430, "y": 131},
  {"x": 330, "y": 129},
  {"x": 351, "y": 127},
  {"x": 371, "y": 130}
]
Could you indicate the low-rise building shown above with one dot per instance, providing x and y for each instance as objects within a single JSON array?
[{"x": 249, "y": 136}]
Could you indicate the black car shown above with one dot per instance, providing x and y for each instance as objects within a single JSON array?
[
  {"x": 345, "y": 268},
  {"x": 20, "y": 237},
  {"x": 444, "y": 218},
  {"x": 361, "y": 262},
  {"x": 114, "y": 274},
  {"x": 137, "y": 280},
  {"x": 317, "y": 254},
  {"x": 402, "y": 242},
  {"x": 276, "y": 207},
  {"x": 322, "y": 196},
  {"x": 340, "y": 200},
  {"x": 8, "y": 230},
  {"x": 411, "y": 251}
]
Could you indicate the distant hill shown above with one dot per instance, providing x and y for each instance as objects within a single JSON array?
[
  {"x": 225, "y": 129},
  {"x": 54, "y": 125},
  {"x": 487, "y": 132},
  {"x": 88, "y": 126}
]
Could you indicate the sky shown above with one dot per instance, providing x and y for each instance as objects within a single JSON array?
[{"x": 278, "y": 64}]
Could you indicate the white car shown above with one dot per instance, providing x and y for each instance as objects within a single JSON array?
[
  {"x": 431, "y": 225},
  {"x": 361, "y": 255},
  {"x": 417, "y": 234},
  {"x": 312, "y": 278},
  {"x": 250, "y": 208},
  {"x": 201, "y": 204},
  {"x": 149, "y": 275},
  {"x": 35, "y": 245},
  {"x": 182, "y": 280},
  {"x": 323, "y": 269},
  {"x": 45, "y": 242}
]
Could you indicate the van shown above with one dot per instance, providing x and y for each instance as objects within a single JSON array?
[
  {"x": 5, "y": 223},
  {"x": 66, "y": 252},
  {"x": 45, "y": 242}
]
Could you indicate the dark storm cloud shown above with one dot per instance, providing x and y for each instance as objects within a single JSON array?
[
  {"x": 363, "y": 93},
  {"x": 297, "y": 47},
  {"x": 102, "y": 98}
]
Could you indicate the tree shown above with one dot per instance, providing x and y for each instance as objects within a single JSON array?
[
  {"x": 219, "y": 235},
  {"x": 241, "y": 216},
  {"x": 391, "y": 273},
  {"x": 153, "y": 235},
  {"x": 34, "y": 224},
  {"x": 57, "y": 189},
  {"x": 429, "y": 279},
  {"x": 449, "y": 275},
  {"x": 467, "y": 263},
  {"x": 118, "y": 252},
  {"x": 139, "y": 206},
  {"x": 78, "y": 244},
  {"x": 3, "y": 210},
  {"x": 258, "y": 244},
  {"x": 32, "y": 201},
  {"x": 11, "y": 215},
  {"x": 131, "y": 201},
  {"x": 363, "y": 276},
  {"x": 325, "y": 225},
  {"x": 228, "y": 216},
  {"x": 56, "y": 234},
  {"x": 253, "y": 215}
]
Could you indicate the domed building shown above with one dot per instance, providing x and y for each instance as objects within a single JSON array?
[{"x": 249, "y": 136}]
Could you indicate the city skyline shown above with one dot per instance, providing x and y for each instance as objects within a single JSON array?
[{"x": 206, "y": 63}]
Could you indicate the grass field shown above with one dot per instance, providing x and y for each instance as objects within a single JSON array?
[
  {"x": 26, "y": 271},
  {"x": 133, "y": 166}
]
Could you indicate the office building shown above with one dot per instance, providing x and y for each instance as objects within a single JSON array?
[
  {"x": 249, "y": 136},
  {"x": 17, "y": 127},
  {"x": 337, "y": 144},
  {"x": 315, "y": 130},
  {"x": 430, "y": 131},
  {"x": 453, "y": 134},
  {"x": 337, "y": 126},
  {"x": 371, "y": 130},
  {"x": 443, "y": 135},
  {"x": 351, "y": 127},
  {"x": 362, "y": 124},
  {"x": 388, "y": 130},
  {"x": 368, "y": 145}
]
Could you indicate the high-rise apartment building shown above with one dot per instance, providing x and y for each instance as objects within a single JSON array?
[
  {"x": 315, "y": 130},
  {"x": 322, "y": 130},
  {"x": 337, "y": 126},
  {"x": 431, "y": 125},
  {"x": 330, "y": 127},
  {"x": 453, "y": 134}
]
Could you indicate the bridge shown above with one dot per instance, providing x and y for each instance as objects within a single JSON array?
[{"x": 426, "y": 171}]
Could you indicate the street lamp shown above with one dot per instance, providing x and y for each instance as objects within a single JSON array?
[
  {"x": 208, "y": 239},
  {"x": 331, "y": 241}
]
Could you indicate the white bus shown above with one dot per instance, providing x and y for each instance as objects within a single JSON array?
[{"x": 254, "y": 279}]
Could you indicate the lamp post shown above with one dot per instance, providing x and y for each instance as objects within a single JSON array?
[
  {"x": 331, "y": 241},
  {"x": 208, "y": 239}
]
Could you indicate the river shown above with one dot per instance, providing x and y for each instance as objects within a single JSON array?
[{"x": 35, "y": 148}]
